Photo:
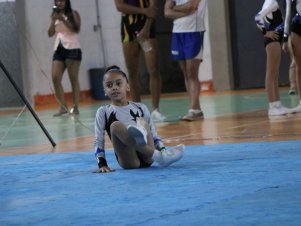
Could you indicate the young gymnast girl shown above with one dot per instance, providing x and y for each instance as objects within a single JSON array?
[{"x": 128, "y": 124}]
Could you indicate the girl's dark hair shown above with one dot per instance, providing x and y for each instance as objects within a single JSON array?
[
  {"x": 69, "y": 14},
  {"x": 115, "y": 68}
]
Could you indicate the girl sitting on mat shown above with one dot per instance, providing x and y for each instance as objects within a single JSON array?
[{"x": 130, "y": 128}]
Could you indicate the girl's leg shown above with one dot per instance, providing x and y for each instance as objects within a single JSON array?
[
  {"x": 131, "y": 51},
  {"x": 126, "y": 149},
  {"x": 182, "y": 64},
  {"x": 58, "y": 68},
  {"x": 296, "y": 46},
  {"x": 73, "y": 69},
  {"x": 273, "y": 51},
  {"x": 292, "y": 70},
  {"x": 192, "y": 70},
  {"x": 152, "y": 64}
]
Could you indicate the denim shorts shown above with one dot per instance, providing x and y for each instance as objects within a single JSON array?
[{"x": 62, "y": 54}]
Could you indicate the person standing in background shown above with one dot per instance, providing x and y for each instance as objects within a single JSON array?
[
  {"x": 187, "y": 46},
  {"x": 65, "y": 24},
  {"x": 292, "y": 69},
  {"x": 292, "y": 30},
  {"x": 138, "y": 33},
  {"x": 270, "y": 22}
]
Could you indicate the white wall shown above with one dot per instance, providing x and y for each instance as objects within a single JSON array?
[
  {"x": 205, "y": 71},
  {"x": 37, "y": 48}
]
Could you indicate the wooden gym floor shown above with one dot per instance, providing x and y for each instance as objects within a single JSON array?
[{"x": 230, "y": 117}]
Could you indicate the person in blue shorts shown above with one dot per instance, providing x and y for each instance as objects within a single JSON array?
[{"x": 187, "y": 46}]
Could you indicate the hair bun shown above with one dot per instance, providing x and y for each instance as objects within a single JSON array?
[{"x": 116, "y": 69}]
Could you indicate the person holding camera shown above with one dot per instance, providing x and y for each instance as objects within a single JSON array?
[{"x": 65, "y": 26}]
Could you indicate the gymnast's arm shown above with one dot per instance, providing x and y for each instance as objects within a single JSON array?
[{"x": 100, "y": 142}]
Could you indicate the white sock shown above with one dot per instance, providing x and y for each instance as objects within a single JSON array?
[
  {"x": 274, "y": 104},
  {"x": 195, "y": 110}
]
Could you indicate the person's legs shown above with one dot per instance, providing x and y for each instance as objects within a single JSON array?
[
  {"x": 192, "y": 70},
  {"x": 273, "y": 51},
  {"x": 146, "y": 148},
  {"x": 73, "y": 70},
  {"x": 126, "y": 148},
  {"x": 58, "y": 68},
  {"x": 182, "y": 64},
  {"x": 131, "y": 51},
  {"x": 296, "y": 46},
  {"x": 152, "y": 64},
  {"x": 292, "y": 71}
]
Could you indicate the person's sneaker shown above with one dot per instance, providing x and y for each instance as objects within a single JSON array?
[
  {"x": 74, "y": 110},
  {"x": 138, "y": 133},
  {"x": 167, "y": 157},
  {"x": 292, "y": 91},
  {"x": 296, "y": 109},
  {"x": 61, "y": 113},
  {"x": 157, "y": 116},
  {"x": 279, "y": 110},
  {"x": 193, "y": 115}
]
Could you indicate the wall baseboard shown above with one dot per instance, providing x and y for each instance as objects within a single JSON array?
[
  {"x": 206, "y": 86},
  {"x": 40, "y": 100}
]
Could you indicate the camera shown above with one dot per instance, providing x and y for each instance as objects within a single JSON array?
[{"x": 55, "y": 9}]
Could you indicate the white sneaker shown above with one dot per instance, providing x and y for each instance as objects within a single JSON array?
[
  {"x": 296, "y": 109},
  {"x": 193, "y": 115},
  {"x": 157, "y": 116},
  {"x": 279, "y": 110},
  {"x": 138, "y": 132},
  {"x": 292, "y": 91},
  {"x": 166, "y": 157}
]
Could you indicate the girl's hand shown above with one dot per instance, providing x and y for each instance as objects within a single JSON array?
[
  {"x": 57, "y": 16},
  {"x": 285, "y": 47},
  {"x": 272, "y": 35},
  {"x": 143, "y": 34},
  {"x": 104, "y": 169},
  {"x": 194, "y": 4}
]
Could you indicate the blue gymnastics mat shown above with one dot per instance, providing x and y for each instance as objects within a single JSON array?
[{"x": 230, "y": 184}]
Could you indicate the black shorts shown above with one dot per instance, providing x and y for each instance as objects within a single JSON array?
[
  {"x": 296, "y": 24},
  {"x": 131, "y": 24},
  {"x": 143, "y": 164},
  {"x": 62, "y": 54},
  {"x": 267, "y": 41}
]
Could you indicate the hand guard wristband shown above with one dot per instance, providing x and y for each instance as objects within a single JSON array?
[{"x": 102, "y": 162}]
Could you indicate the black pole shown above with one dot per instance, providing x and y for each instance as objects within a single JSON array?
[{"x": 27, "y": 104}]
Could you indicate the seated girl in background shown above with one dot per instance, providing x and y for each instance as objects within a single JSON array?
[{"x": 130, "y": 128}]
